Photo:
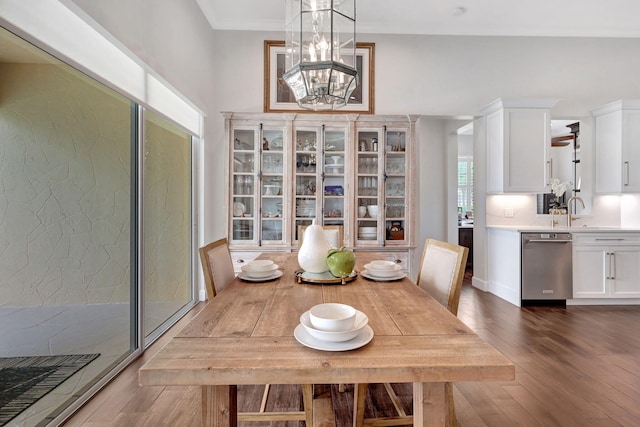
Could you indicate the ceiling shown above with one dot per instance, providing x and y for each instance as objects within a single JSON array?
[{"x": 561, "y": 18}]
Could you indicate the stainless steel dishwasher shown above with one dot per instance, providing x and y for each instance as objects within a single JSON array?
[{"x": 546, "y": 266}]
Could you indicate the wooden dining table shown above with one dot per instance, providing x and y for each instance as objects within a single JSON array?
[{"x": 245, "y": 335}]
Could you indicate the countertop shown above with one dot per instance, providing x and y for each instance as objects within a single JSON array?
[{"x": 560, "y": 229}]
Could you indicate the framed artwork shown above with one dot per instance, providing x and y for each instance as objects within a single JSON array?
[{"x": 279, "y": 98}]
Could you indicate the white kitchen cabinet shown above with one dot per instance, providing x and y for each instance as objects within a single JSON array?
[
  {"x": 287, "y": 169},
  {"x": 518, "y": 135},
  {"x": 606, "y": 265},
  {"x": 617, "y": 147}
]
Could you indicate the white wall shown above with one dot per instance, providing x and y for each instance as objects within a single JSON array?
[{"x": 439, "y": 76}]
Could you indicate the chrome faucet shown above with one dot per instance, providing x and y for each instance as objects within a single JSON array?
[{"x": 569, "y": 218}]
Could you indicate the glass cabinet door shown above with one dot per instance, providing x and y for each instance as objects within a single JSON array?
[
  {"x": 333, "y": 178},
  {"x": 272, "y": 179},
  {"x": 306, "y": 206},
  {"x": 243, "y": 183},
  {"x": 395, "y": 170},
  {"x": 368, "y": 192}
]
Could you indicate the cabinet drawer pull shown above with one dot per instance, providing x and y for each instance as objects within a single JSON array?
[{"x": 609, "y": 239}]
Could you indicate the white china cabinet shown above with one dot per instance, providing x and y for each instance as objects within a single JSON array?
[
  {"x": 351, "y": 170},
  {"x": 617, "y": 153},
  {"x": 606, "y": 265},
  {"x": 518, "y": 135}
]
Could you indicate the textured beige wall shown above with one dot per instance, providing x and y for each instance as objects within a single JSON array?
[
  {"x": 167, "y": 212},
  {"x": 64, "y": 188}
]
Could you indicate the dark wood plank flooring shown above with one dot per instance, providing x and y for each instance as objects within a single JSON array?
[{"x": 575, "y": 366}]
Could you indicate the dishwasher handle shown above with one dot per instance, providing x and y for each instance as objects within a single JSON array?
[{"x": 547, "y": 241}]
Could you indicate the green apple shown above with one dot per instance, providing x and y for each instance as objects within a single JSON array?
[{"x": 341, "y": 262}]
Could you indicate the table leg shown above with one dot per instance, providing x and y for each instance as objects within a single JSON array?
[
  {"x": 219, "y": 405},
  {"x": 430, "y": 405},
  {"x": 359, "y": 398}
]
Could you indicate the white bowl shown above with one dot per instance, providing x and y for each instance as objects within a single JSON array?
[
  {"x": 373, "y": 210},
  {"x": 381, "y": 264},
  {"x": 259, "y": 274},
  {"x": 360, "y": 322},
  {"x": 259, "y": 265},
  {"x": 332, "y": 317},
  {"x": 383, "y": 274}
]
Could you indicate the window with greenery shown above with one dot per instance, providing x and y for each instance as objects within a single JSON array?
[{"x": 465, "y": 185}]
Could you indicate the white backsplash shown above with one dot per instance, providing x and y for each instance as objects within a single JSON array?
[{"x": 606, "y": 211}]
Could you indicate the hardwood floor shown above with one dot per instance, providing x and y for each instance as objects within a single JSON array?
[{"x": 575, "y": 366}]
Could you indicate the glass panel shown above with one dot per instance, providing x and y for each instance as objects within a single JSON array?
[
  {"x": 369, "y": 177},
  {"x": 395, "y": 202},
  {"x": 334, "y": 179},
  {"x": 245, "y": 186},
  {"x": 306, "y": 178},
  {"x": 167, "y": 283},
  {"x": 272, "y": 194},
  {"x": 65, "y": 191}
]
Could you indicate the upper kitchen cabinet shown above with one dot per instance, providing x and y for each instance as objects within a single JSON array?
[
  {"x": 349, "y": 170},
  {"x": 617, "y": 147},
  {"x": 518, "y": 135}
]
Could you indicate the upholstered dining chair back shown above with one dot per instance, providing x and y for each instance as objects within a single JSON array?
[
  {"x": 217, "y": 266},
  {"x": 441, "y": 274},
  {"x": 333, "y": 233},
  {"x": 442, "y": 271}
]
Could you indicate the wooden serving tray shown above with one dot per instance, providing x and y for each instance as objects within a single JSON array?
[{"x": 324, "y": 278}]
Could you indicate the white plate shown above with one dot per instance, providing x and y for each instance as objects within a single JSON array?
[
  {"x": 368, "y": 275},
  {"x": 304, "y": 338},
  {"x": 245, "y": 277},
  {"x": 361, "y": 321}
]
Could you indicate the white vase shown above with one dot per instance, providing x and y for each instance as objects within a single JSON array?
[{"x": 312, "y": 255}]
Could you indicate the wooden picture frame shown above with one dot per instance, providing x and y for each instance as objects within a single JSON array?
[{"x": 278, "y": 97}]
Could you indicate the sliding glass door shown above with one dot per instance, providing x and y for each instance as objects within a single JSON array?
[
  {"x": 167, "y": 219},
  {"x": 96, "y": 249}
]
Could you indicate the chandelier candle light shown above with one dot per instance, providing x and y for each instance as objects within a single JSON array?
[{"x": 321, "y": 52}]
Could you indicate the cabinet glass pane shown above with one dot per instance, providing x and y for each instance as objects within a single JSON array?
[
  {"x": 272, "y": 185},
  {"x": 244, "y": 140},
  {"x": 369, "y": 177},
  {"x": 395, "y": 185},
  {"x": 334, "y": 177},
  {"x": 306, "y": 178}
]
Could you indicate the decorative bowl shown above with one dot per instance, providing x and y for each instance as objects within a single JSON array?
[
  {"x": 258, "y": 274},
  {"x": 360, "y": 322},
  {"x": 383, "y": 274},
  {"x": 332, "y": 317},
  {"x": 259, "y": 265},
  {"x": 381, "y": 264}
]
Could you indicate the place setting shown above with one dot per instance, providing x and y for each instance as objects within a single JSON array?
[
  {"x": 333, "y": 327},
  {"x": 261, "y": 270},
  {"x": 383, "y": 271}
]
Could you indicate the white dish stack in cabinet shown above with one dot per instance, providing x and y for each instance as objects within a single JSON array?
[
  {"x": 518, "y": 135},
  {"x": 351, "y": 170},
  {"x": 617, "y": 147}
]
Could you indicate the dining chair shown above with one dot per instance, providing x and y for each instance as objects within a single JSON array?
[
  {"x": 441, "y": 274},
  {"x": 333, "y": 233},
  {"x": 217, "y": 267}
]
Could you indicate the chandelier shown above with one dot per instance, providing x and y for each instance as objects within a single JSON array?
[{"x": 321, "y": 52}]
